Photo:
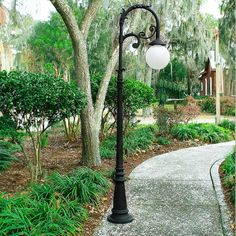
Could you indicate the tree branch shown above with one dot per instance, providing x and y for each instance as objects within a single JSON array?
[
  {"x": 69, "y": 19},
  {"x": 110, "y": 68},
  {"x": 89, "y": 16}
]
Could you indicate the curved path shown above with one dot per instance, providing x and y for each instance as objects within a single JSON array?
[{"x": 172, "y": 195}]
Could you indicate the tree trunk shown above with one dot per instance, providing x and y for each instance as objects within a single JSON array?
[
  {"x": 148, "y": 80},
  {"x": 90, "y": 133}
]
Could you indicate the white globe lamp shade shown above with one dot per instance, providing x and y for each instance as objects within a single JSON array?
[{"x": 157, "y": 57}]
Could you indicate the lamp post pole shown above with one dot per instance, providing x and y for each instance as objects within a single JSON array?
[
  {"x": 120, "y": 213},
  {"x": 218, "y": 77}
]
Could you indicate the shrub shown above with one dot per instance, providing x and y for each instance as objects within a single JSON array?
[
  {"x": 22, "y": 215},
  {"x": 183, "y": 132},
  {"x": 208, "y": 105},
  {"x": 134, "y": 140},
  {"x": 163, "y": 140},
  {"x": 227, "y": 124},
  {"x": 227, "y": 105},
  {"x": 206, "y": 132},
  {"x": 228, "y": 168},
  {"x": 27, "y": 99},
  {"x": 53, "y": 208},
  {"x": 189, "y": 111},
  {"x": 166, "y": 119},
  {"x": 83, "y": 185},
  {"x": 136, "y": 95}
]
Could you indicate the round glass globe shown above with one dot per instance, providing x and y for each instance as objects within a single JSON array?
[{"x": 157, "y": 57}]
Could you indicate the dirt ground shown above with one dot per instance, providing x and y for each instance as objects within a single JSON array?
[{"x": 63, "y": 157}]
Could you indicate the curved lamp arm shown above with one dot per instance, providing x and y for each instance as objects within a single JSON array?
[{"x": 154, "y": 29}]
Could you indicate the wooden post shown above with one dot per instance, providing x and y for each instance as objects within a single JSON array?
[{"x": 218, "y": 75}]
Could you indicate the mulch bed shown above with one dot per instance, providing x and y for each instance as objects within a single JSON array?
[{"x": 63, "y": 157}]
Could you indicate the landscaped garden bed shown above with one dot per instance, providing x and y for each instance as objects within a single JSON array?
[{"x": 140, "y": 143}]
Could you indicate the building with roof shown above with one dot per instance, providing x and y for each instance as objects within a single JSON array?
[{"x": 207, "y": 76}]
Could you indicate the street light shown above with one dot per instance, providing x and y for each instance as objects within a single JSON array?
[{"x": 157, "y": 57}]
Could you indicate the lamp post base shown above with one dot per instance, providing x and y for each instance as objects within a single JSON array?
[{"x": 122, "y": 218}]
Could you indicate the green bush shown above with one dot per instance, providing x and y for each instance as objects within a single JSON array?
[
  {"x": 21, "y": 215},
  {"x": 166, "y": 119},
  {"x": 208, "y": 105},
  {"x": 27, "y": 99},
  {"x": 227, "y": 105},
  {"x": 183, "y": 132},
  {"x": 137, "y": 139},
  {"x": 53, "y": 208},
  {"x": 228, "y": 168},
  {"x": 227, "y": 124},
  {"x": 136, "y": 95},
  {"x": 83, "y": 185},
  {"x": 163, "y": 140},
  {"x": 206, "y": 132}
]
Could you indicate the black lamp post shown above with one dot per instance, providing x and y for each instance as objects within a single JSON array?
[{"x": 120, "y": 213}]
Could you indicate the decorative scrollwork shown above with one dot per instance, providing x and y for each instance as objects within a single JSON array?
[
  {"x": 142, "y": 34},
  {"x": 134, "y": 45}
]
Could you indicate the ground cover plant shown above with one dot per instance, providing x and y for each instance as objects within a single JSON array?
[
  {"x": 6, "y": 156},
  {"x": 228, "y": 124},
  {"x": 140, "y": 138},
  {"x": 209, "y": 133},
  {"x": 228, "y": 169},
  {"x": 56, "y": 207}
]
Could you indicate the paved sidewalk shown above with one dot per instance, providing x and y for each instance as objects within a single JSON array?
[
  {"x": 199, "y": 119},
  {"x": 172, "y": 195}
]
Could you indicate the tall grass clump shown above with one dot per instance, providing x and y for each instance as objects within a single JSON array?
[
  {"x": 83, "y": 185},
  {"x": 140, "y": 138},
  {"x": 6, "y": 157},
  {"x": 56, "y": 207},
  {"x": 228, "y": 124}
]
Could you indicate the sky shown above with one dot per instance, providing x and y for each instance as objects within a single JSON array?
[{"x": 40, "y": 9}]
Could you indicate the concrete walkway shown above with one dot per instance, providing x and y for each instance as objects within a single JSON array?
[
  {"x": 199, "y": 119},
  {"x": 173, "y": 195}
]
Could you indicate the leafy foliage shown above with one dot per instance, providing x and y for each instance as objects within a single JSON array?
[
  {"x": 227, "y": 106},
  {"x": 83, "y": 185},
  {"x": 172, "y": 81},
  {"x": 206, "y": 132},
  {"x": 29, "y": 103},
  {"x": 134, "y": 140},
  {"x": 227, "y": 124},
  {"x": 136, "y": 96},
  {"x": 53, "y": 208},
  {"x": 189, "y": 111},
  {"x": 166, "y": 119},
  {"x": 6, "y": 157},
  {"x": 228, "y": 169},
  {"x": 163, "y": 140}
]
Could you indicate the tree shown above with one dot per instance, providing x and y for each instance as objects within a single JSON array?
[
  {"x": 91, "y": 115},
  {"x": 137, "y": 95},
  {"x": 34, "y": 102},
  {"x": 172, "y": 81},
  {"x": 228, "y": 43}
]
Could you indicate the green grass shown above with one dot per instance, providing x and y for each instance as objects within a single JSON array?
[
  {"x": 228, "y": 168},
  {"x": 209, "y": 133},
  {"x": 56, "y": 207}
]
